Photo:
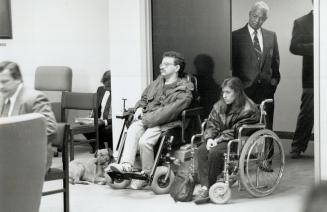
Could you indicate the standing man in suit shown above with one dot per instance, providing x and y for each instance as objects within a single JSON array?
[
  {"x": 104, "y": 114},
  {"x": 302, "y": 44},
  {"x": 255, "y": 58},
  {"x": 16, "y": 99}
]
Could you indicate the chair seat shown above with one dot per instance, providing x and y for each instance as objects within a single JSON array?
[
  {"x": 77, "y": 128},
  {"x": 54, "y": 174}
]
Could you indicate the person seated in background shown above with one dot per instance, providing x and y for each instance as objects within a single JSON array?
[
  {"x": 232, "y": 110},
  {"x": 161, "y": 102},
  {"x": 16, "y": 99},
  {"x": 104, "y": 114}
]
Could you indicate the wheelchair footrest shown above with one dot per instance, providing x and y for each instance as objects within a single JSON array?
[{"x": 128, "y": 175}]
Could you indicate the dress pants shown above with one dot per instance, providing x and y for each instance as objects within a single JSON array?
[
  {"x": 144, "y": 138},
  {"x": 305, "y": 122},
  {"x": 259, "y": 92},
  {"x": 105, "y": 135},
  {"x": 210, "y": 163}
]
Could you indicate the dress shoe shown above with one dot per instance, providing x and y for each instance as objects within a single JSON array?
[{"x": 295, "y": 154}]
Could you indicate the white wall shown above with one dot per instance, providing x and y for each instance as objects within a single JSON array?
[
  {"x": 281, "y": 17},
  {"x": 321, "y": 96},
  {"x": 72, "y": 33},
  {"x": 128, "y": 61}
]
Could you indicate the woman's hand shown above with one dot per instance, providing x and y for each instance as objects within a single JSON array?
[
  {"x": 138, "y": 113},
  {"x": 211, "y": 143}
]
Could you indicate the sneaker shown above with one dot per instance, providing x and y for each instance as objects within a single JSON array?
[
  {"x": 296, "y": 154},
  {"x": 138, "y": 184},
  {"x": 203, "y": 196},
  {"x": 121, "y": 167}
]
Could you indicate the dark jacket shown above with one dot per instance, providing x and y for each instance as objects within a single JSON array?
[
  {"x": 244, "y": 59},
  {"x": 302, "y": 44},
  {"x": 226, "y": 125},
  {"x": 163, "y": 103}
]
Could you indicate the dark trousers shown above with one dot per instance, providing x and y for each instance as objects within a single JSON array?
[
  {"x": 305, "y": 121},
  {"x": 259, "y": 92},
  {"x": 210, "y": 163},
  {"x": 105, "y": 135}
]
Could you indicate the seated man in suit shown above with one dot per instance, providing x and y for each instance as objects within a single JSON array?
[
  {"x": 16, "y": 99},
  {"x": 104, "y": 102},
  {"x": 161, "y": 103}
]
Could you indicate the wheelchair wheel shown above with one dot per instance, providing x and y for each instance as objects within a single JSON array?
[
  {"x": 119, "y": 183},
  {"x": 220, "y": 193},
  {"x": 261, "y": 163},
  {"x": 159, "y": 185}
]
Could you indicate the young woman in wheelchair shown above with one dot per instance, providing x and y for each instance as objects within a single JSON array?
[
  {"x": 232, "y": 110},
  {"x": 161, "y": 103}
]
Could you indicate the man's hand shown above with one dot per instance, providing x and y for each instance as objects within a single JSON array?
[
  {"x": 138, "y": 113},
  {"x": 211, "y": 143}
]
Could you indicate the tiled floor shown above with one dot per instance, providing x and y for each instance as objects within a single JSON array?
[{"x": 298, "y": 178}]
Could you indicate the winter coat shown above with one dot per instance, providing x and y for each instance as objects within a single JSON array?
[
  {"x": 163, "y": 103},
  {"x": 226, "y": 125}
]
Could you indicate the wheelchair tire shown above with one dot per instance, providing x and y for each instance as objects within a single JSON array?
[
  {"x": 119, "y": 183},
  {"x": 261, "y": 163},
  {"x": 220, "y": 193},
  {"x": 158, "y": 185}
]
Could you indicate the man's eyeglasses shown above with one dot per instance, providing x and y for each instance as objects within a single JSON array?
[{"x": 165, "y": 64}]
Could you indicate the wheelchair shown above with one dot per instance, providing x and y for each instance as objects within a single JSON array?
[
  {"x": 162, "y": 173},
  {"x": 255, "y": 159}
]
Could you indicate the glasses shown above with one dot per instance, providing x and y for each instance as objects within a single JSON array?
[{"x": 165, "y": 64}]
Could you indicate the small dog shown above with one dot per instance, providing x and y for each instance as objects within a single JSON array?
[{"x": 92, "y": 170}]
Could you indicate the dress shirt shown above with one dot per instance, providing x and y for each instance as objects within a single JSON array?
[
  {"x": 13, "y": 99},
  {"x": 259, "y": 35}
]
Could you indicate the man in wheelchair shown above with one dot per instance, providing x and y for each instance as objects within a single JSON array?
[
  {"x": 161, "y": 103},
  {"x": 232, "y": 111}
]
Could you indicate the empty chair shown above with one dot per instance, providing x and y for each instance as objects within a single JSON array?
[
  {"x": 54, "y": 78},
  {"x": 80, "y": 101},
  {"x": 23, "y": 149}
]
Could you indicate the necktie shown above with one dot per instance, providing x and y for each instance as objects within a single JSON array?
[
  {"x": 257, "y": 46},
  {"x": 5, "y": 109}
]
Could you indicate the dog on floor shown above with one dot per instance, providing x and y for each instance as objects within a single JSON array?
[{"x": 91, "y": 171}]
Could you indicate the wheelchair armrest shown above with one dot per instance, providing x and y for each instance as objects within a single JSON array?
[
  {"x": 249, "y": 126},
  {"x": 126, "y": 113},
  {"x": 196, "y": 111}
]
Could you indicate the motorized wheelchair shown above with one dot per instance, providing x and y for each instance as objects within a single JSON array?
[
  {"x": 166, "y": 154},
  {"x": 255, "y": 159}
]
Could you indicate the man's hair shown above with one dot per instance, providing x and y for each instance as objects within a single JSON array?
[
  {"x": 13, "y": 69},
  {"x": 260, "y": 5},
  {"x": 236, "y": 85},
  {"x": 178, "y": 60},
  {"x": 106, "y": 76}
]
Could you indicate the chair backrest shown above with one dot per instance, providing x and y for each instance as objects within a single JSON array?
[
  {"x": 195, "y": 93},
  {"x": 53, "y": 78},
  {"x": 78, "y": 101},
  {"x": 22, "y": 162}
]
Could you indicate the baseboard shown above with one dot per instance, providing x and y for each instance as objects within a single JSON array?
[{"x": 289, "y": 135}]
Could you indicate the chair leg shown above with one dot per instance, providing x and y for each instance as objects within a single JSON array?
[
  {"x": 71, "y": 148},
  {"x": 66, "y": 195}
]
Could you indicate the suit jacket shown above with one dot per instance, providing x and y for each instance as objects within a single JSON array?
[
  {"x": 302, "y": 44},
  {"x": 100, "y": 94},
  {"x": 32, "y": 101},
  {"x": 244, "y": 59}
]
